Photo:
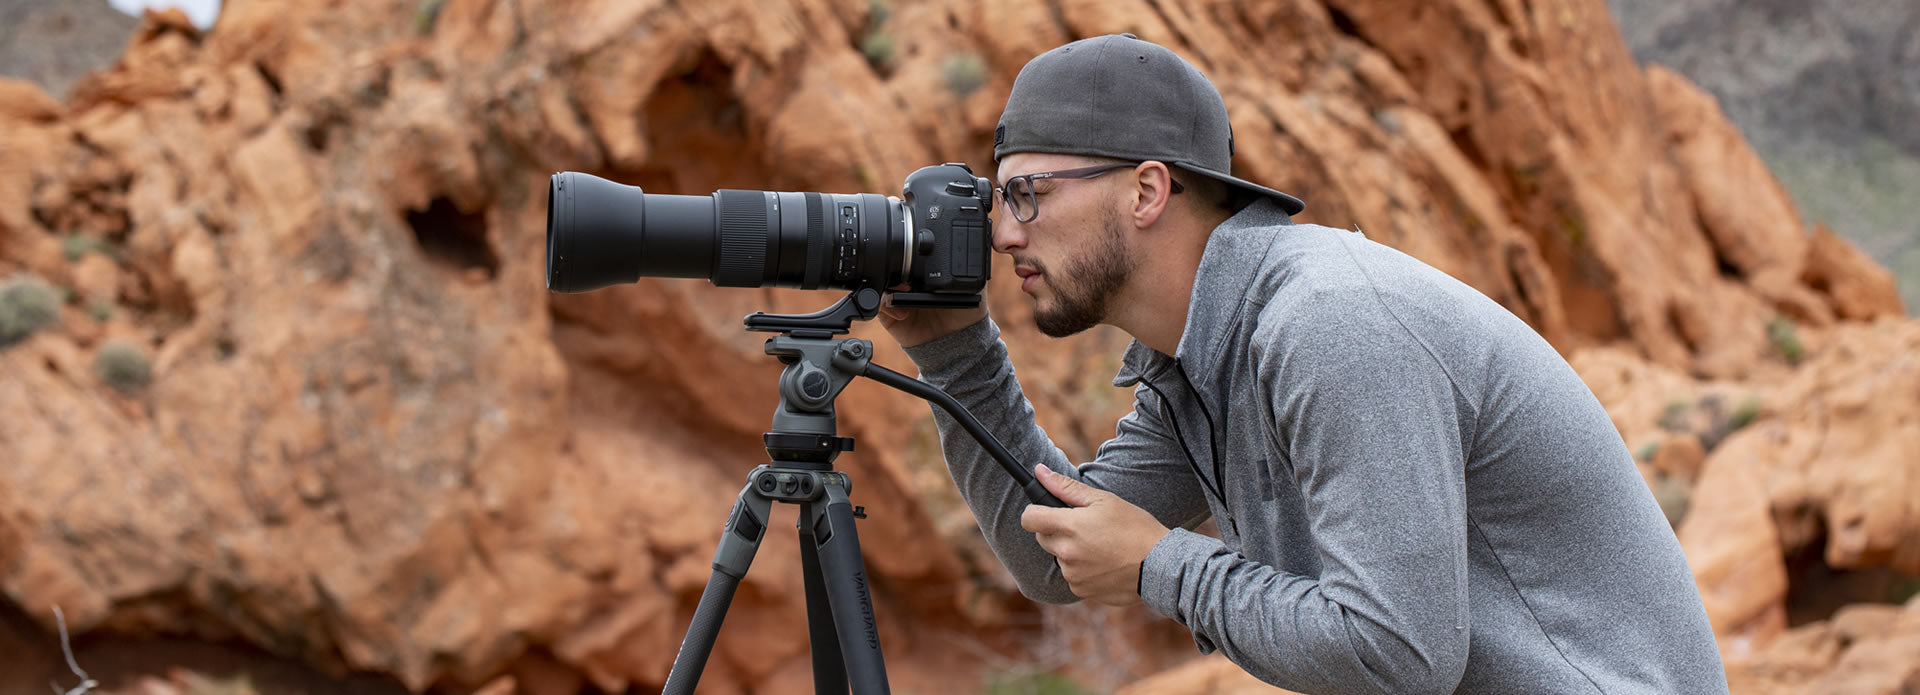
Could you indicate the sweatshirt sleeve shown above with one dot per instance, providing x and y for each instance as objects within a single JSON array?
[
  {"x": 1370, "y": 426},
  {"x": 1141, "y": 464}
]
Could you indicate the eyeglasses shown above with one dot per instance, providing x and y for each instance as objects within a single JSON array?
[{"x": 1020, "y": 199}]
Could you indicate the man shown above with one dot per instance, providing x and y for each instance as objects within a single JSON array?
[{"x": 1414, "y": 492}]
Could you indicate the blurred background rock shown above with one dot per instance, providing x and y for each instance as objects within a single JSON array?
[
  {"x": 1828, "y": 91},
  {"x": 53, "y": 42}
]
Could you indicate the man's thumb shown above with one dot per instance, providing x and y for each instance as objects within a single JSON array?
[{"x": 1070, "y": 491}]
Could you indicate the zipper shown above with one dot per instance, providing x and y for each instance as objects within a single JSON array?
[
  {"x": 1215, "y": 486},
  {"x": 1213, "y": 443}
]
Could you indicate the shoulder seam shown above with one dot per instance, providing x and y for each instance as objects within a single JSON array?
[{"x": 1374, "y": 286}]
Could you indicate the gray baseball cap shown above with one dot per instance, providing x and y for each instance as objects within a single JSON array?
[{"x": 1120, "y": 97}]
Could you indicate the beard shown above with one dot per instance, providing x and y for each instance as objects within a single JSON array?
[{"x": 1081, "y": 295}]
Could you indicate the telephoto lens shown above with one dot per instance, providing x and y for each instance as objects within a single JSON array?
[{"x": 602, "y": 233}]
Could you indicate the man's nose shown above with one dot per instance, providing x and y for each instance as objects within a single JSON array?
[{"x": 1009, "y": 235}]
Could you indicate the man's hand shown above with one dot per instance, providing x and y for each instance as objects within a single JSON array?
[
  {"x": 1100, "y": 542},
  {"x": 911, "y": 327}
]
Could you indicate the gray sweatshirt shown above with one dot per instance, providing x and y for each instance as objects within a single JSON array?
[{"x": 1415, "y": 493}]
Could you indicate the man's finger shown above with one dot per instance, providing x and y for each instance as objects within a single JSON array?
[
  {"x": 1040, "y": 519},
  {"x": 1051, "y": 543},
  {"x": 1070, "y": 491}
]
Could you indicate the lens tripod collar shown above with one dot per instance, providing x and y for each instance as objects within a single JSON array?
[{"x": 862, "y": 304}]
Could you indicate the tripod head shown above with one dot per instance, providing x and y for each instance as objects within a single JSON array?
[
  {"x": 819, "y": 367},
  {"x": 802, "y": 445}
]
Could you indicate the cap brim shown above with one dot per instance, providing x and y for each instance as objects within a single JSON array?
[{"x": 1289, "y": 204}]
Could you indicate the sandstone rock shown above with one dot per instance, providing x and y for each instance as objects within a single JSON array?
[
  {"x": 1753, "y": 226},
  {"x": 25, "y": 101},
  {"x": 1735, "y": 554},
  {"x": 1863, "y": 649},
  {"x": 95, "y": 278},
  {"x": 1879, "y": 660},
  {"x": 1858, "y": 288}
]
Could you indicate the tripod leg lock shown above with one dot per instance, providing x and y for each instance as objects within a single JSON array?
[{"x": 746, "y": 525}]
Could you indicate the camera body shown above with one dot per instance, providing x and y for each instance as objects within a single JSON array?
[{"x": 953, "y": 233}]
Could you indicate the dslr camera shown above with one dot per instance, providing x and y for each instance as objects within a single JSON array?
[{"x": 933, "y": 240}]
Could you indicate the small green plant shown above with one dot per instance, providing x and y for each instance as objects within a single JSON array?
[
  {"x": 77, "y": 246},
  {"x": 1033, "y": 684},
  {"x": 1647, "y": 452},
  {"x": 1387, "y": 120},
  {"x": 963, "y": 73},
  {"x": 878, "y": 48},
  {"x": 427, "y": 14},
  {"x": 1744, "y": 414},
  {"x": 1674, "y": 418},
  {"x": 1674, "y": 495},
  {"x": 1723, "y": 424},
  {"x": 27, "y": 304},
  {"x": 877, "y": 12},
  {"x": 1785, "y": 339},
  {"x": 101, "y": 310},
  {"x": 123, "y": 365}
]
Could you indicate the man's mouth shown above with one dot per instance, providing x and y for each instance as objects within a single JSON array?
[{"x": 1028, "y": 277}]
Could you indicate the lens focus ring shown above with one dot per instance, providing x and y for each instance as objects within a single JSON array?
[{"x": 743, "y": 238}]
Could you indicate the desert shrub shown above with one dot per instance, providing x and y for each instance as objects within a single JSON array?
[
  {"x": 1744, "y": 415},
  {"x": 27, "y": 304},
  {"x": 1676, "y": 415},
  {"x": 426, "y": 15},
  {"x": 963, "y": 73},
  {"x": 1647, "y": 452},
  {"x": 1785, "y": 339},
  {"x": 878, "y": 48},
  {"x": 77, "y": 246},
  {"x": 123, "y": 365},
  {"x": 1674, "y": 494},
  {"x": 1721, "y": 424},
  {"x": 1032, "y": 684}
]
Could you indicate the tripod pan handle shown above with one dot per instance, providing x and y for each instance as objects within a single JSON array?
[{"x": 1022, "y": 476}]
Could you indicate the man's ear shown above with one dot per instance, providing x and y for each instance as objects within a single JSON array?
[{"x": 1153, "y": 192}]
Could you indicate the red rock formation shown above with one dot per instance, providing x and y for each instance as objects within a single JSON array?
[{"x": 373, "y": 441}]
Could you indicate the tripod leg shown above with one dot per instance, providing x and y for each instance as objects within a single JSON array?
[
  {"x": 746, "y": 525},
  {"x": 829, "y": 672},
  {"x": 845, "y": 575}
]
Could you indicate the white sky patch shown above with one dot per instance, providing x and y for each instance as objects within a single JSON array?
[{"x": 201, "y": 12}]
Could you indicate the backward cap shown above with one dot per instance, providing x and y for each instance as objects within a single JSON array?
[{"x": 1120, "y": 97}]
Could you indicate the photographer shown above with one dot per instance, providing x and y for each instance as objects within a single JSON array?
[{"x": 1415, "y": 493}]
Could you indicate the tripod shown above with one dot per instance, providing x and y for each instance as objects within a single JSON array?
[{"x": 801, "y": 447}]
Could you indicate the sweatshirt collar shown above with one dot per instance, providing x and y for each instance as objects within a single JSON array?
[{"x": 1235, "y": 251}]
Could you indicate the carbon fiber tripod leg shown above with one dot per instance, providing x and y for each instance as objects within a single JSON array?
[
  {"x": 845, "y": 575},
  {"x": 829, "y": 671},
  {"x": 746, "y": 525}
]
